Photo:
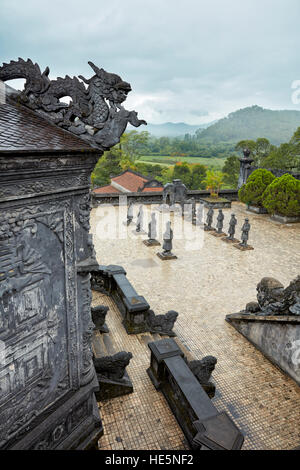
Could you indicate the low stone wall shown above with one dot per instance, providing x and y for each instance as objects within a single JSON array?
[
  {"x": 277, "y": 337},
  {"x": 156, "y": 198},
  {"x": 202, "y": 424}
]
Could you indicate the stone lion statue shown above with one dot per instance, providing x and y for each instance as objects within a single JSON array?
[
  {"x": 113, "y": 367},
  {"x": 274, "y": 299},
  {"x": 162, "y": 324},
  {"x": 203, "y": 369}
]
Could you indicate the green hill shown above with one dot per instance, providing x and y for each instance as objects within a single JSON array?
[{"x": 252, "y": 123}]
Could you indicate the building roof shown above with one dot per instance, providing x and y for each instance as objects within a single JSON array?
[
  {"x": 106, "y": 189},
  {"x": 22, "y": 129},
  {"x": 130, "y": 181}
]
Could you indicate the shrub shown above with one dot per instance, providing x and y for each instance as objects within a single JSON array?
[
  {"x": 252, "y": 191},
  {"x": 282, "y": 196}
]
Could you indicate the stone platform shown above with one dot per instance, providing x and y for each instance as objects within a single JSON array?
[{"x": 262, "y": 400}]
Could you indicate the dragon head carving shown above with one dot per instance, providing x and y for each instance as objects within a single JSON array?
[{"x": 95, "y": 112}]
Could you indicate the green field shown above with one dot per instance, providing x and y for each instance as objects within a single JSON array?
[{"x": 216, "y": 163}]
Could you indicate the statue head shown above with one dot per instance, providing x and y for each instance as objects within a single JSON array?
[
  {"x": 209, "y": 362},
  {"x": 172, "y": 315}
]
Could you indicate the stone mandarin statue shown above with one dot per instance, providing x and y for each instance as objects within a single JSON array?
[
  {"x": 220, "y": 220},
  {"x": 232, "y": 225},
  {"x": 140, "y": 218},
  {"x": 245, "y": 233},
  {"x": 209, "y": 219}
]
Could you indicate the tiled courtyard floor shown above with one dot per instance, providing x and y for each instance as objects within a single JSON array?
[{"x": 204, "y": 284}]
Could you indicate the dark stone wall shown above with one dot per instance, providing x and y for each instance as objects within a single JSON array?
[
  {"x": 46, "y": 371},
  {"x": 154, "y": 198}
]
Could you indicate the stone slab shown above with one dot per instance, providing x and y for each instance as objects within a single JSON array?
[
  {"x": 151, "y": 243},
  {"x": 283, "y": 219},
  {"x": 166, "y": 257},
  {"x": 243, "y": 248},
  {"x": 218, "y": 235},
  {"x": 227, "y": 240}
]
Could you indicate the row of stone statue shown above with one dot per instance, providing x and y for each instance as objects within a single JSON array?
[
  {"x": 218, "y": 231},
  {"x": 152, "y": 232},
  {"x": 197, "y": 219}
]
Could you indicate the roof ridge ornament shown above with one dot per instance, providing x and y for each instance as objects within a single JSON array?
[{"x": 95, "y": 113}]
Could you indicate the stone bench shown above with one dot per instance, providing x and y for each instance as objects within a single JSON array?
[{"x": 204, "y": 427}]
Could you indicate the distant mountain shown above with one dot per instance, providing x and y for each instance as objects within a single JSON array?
[
  {"x": 170, "y": 129},
  {"x": 251, "y": 123}
]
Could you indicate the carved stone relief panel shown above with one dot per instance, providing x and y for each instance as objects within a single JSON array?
[{"x": 38, "y": 312}]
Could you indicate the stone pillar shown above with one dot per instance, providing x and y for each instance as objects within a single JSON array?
[
  {"x": 245, "y": 166},
  {"x": 47, "y": 375}
]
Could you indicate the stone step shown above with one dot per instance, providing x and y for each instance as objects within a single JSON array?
[
  {"x": 98, "y": 346},
  {"x": 110, "y": 348}
]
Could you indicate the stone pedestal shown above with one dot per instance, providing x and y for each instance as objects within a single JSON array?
[
  {"x": 47, "y": 375},
  {"x": 166, "y": 257},
  {"x": 151, "y": 243},
  {"x": 240, "y": 247}
]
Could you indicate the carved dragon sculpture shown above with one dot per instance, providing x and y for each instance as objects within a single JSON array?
[{"x": 95, "y": 112}]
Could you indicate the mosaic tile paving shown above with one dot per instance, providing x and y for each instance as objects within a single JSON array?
[{"x": 204, "y": 284}]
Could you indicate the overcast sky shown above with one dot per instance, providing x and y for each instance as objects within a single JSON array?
[{"x": 187, "y": 61}]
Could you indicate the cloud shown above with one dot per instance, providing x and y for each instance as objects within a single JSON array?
[{"x": 191, "y": 61}]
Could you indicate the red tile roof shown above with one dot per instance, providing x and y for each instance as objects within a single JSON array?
[
  {"x": 106, "y": 189},
  {"x": 130, "y": 181}
]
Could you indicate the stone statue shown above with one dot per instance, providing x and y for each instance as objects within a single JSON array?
[
  {"x": 130, "y": 213},
  {"x": 245, "y": 167},
  {"x": 245, "y": 233},
  {"x": 220, "y": 220},
  {"x": 95, "y": 113},
  {"x": 162, "y": 324},
  {"x": 168, "y": 237},
  {"x": 152, "y": 232},
  {"x": 98, "y": 317},
  {"x": 209, "y": 219},
  {"x": 140, "y": 218},
  {"x": 174, "y": 193},
  {"x": 232, "y": 225},
  {"x": 274, "y": 299},
  {"x": 199, "y": 216},
  {"x": 113, "y": 367},
  {"x": 202, "y": 370}
]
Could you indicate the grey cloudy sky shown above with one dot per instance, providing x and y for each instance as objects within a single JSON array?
[{"x": 187, "y": 61}]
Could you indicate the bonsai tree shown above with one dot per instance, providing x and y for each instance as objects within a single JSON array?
[
  {"x": 214, "y": 181},
  {"x": 252, "y": 191},
  {"x": 282, "y": 196}
]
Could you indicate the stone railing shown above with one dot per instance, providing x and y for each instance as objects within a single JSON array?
[
  {"x": 156, "y": 198},
  {"x": 137, "y": 316},
  {"x": 202, "y": 424}
]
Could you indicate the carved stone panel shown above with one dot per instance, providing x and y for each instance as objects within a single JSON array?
[{"x": 38, "y": 314}]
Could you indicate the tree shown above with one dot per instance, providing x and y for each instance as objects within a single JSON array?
[
  {"x": 252, "y": 191},
  {"x": 282, "y": 196},
  {"x": 231, "y": 171},
  {"x": 133, "y": 143},
  {"x": 214, "y": 181},
  {"x": 198, "y": 176},
  {"x": 108, "y": 165},
  {"x": 183, "y": 172}
]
